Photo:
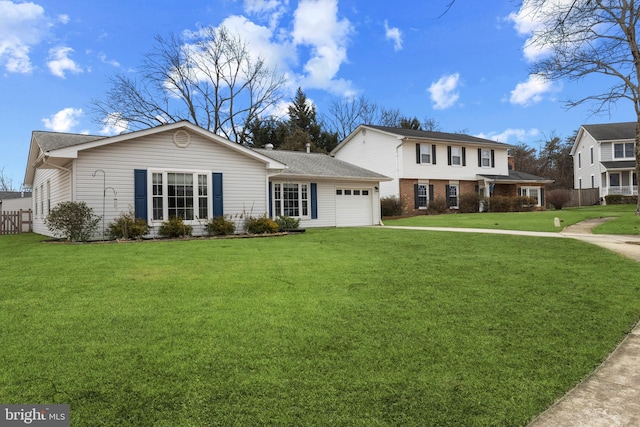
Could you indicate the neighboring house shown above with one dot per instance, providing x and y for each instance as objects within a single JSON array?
[
  {"x": 15, "y": 200},
  {"x": 429, "y": 165},
  {"x": 185, "y": 171},
  {"x": 603, "y": 158}
]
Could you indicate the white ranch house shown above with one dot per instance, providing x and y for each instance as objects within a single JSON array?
[{"x": 180, "y": 169}]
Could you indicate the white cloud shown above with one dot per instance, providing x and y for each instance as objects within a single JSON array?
[
  {"x": 64, "y": 120},
  {"x": 531, "y": 91},
  {"x": 59, "y": 61},
  {"x": 316, "y": 25},
  {"x": 532, "y": 18},
  {"x": 510, "y": 136},
  {"x": 444, "y": 92},
  {"x": 271, "y": 10},
  {"x": 393, "y": 34},
  {"x": 22, "y": 26},
  {"x": 114, "y": 124},
  {"x": 106, "y": 60}
]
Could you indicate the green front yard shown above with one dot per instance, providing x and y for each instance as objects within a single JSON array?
[
  {"x": 331, "y": 327},
  {"x": 626, "y": 222}
]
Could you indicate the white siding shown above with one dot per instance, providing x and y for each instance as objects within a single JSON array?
[
  {"x": 583, "y": 169},
  {"x": 442, "y": 170},
  {"x": 377, "y": 152},
  {"x": 59, "y": 184},
  {"x": 244, "y": 179},
  {"x": 326, "y": 198}
]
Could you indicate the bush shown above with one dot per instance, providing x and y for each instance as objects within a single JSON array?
[
  {"x": 499, "y": 204},
  {"x": 287, "y": 223},
  {"x": 437, "y": 206},
  {"x": 73, "y": 221},
  {"x": 220, "y": 226},
  {"x": 511, "y": 204},
  {"x": 127, "y": 226},
  {"x": 260, "y": 225},
  {"x": 618, "y": 199},
  {"x": 390, "y": 206},
  {"x": 175, "y": 227},
  {"x": 558, "y": 198},
  {"x": 469, "y": 203}
]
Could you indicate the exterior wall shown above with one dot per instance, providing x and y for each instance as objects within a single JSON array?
[
  {"x": 244, "y": 179},
  {"x": 442, "y": 170},
  {"x": 20, "y": 203},
  {"x": 439, "y": 192},
  {"x": 50, "y": 187},
  {"x": 377, "y": 152},
  {"x": 582, "y": 165},
  {"x": 327, "y": 204}
]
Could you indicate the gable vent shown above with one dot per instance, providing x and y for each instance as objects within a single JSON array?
[{"x": 181, "y": 138}]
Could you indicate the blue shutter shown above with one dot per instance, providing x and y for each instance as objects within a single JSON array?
[
  {"x": 314, "y": 200},
  {"x": 218, "y": 207},
  {"x": 270, "y": 199},
  {"x": 140, "y": 193}
]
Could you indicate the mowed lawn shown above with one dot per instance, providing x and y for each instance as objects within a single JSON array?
[
  {"x": 626, "y": 221},
  {"x": 347, "y": 327}
]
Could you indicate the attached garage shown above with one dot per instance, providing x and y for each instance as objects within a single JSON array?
[
  {"x": 323, "y": 191},
  {"x": 354, "y": 207}
]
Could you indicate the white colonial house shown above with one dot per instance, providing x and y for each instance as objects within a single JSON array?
[
  {"x": 426, "y": 165},
  {"x": 182, "y": 170},
  {"x": 604, "y": 158}
]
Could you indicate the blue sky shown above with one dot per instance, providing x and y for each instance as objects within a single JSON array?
[{"x": 468, "y": 69}]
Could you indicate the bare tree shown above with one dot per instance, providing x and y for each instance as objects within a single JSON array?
[
  {"x": 210, "y": 80},
  {"x": 585, "y": 37},
  {"x": 6, "y": 183}
]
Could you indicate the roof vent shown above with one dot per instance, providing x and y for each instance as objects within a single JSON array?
[
  {"x": 181, "y": 138},
  {"x": 269, "y": 146}
]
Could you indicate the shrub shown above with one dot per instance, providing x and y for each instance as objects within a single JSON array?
[
  {"x": 499, "y": 204},
  {"x": 618, "y": 199},
  {"x": 469, "y": 203},
  {"x": 287, "y": 223},
  {"x": 390, "y": 206},
  {"x": 175, "y": 227},
  {"x": 127, "y": 226},
  {"x": 220, "y": 226},
  {"x": 437, "y": 206},
  {"x": 73, "y": 221},
  {"x": 523, "y": 204},
  {"x": 260, "y": 225},
  {"x": 558, "y": 198}
]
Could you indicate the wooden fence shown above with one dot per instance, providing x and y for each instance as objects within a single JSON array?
[
  {"x": 14, "y": 222},
  {"x": 584, "y": 197}
]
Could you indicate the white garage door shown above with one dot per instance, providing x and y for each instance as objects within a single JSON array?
[{"x": 354, "y": 206}]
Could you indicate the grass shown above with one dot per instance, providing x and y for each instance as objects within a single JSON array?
[
  {"x": 358, "y": 327},
  {"x": 626, "y": 221}
]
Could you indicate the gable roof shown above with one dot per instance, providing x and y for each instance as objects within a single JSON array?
[
  {"x": 52, "y": 149},
  {"x": 612, "y": 131},
  {"x": 413, "y": 134},
  {"x": 317, "y": 165}
]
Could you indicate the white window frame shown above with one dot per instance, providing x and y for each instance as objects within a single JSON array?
[
  {"x": 591, "y": 156},
  {"x": 165, "y": 194},
  {"x": 423, "y": 195},
  {"x": 457, "y": 191},
  {"x": 485, "y": 155},
  {"x": 579, "y": 160},
  {"x": 624, "y": 150},
  {"x": 426, "y": 150},
  {"x": 456, "y": 153},
  {"x": 302, "y": 203},
  {"x": 526, "y": 192}
]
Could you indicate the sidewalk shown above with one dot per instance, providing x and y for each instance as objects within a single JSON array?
[{"x": 610, "y": 396}]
